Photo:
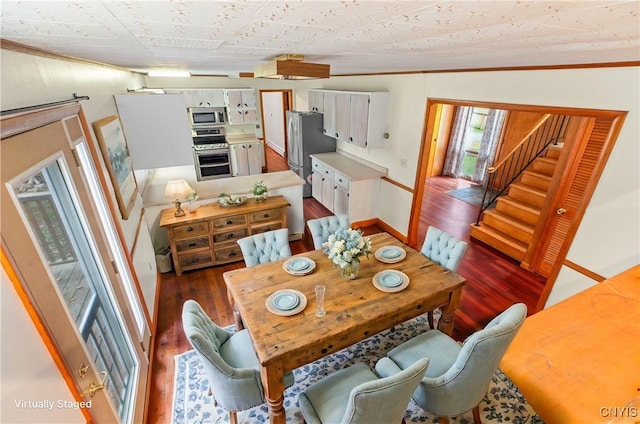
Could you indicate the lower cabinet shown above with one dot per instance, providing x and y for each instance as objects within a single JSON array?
[
  {"x": 343, "y": 195},
  {"x": 209, "y": 235},
  {"x": 246, "y": 158}
]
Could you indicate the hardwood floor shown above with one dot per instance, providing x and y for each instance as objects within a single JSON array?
[{"x": 494, "y": 282}]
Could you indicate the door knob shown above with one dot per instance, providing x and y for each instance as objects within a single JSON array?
[
  {"x": 93, "y": 388},
  {"x": 561, "y": 211}
]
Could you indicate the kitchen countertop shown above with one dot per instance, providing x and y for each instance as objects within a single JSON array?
[
  {"x": 241, "y": 138},
  {"x": 353, "y": 169}
]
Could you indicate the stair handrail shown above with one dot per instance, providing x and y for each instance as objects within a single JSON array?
[{"x": 493, "y": 170}]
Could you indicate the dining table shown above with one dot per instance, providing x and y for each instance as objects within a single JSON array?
[{"x": 355, "y": 309}]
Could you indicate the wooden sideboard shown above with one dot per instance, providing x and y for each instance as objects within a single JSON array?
[{"x": 208, "y": 236}]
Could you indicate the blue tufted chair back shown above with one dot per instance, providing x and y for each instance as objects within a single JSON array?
[
  {"x": 443, "y": 248},
  {"x": 321, "y": 228},
  {"x": 265, "y": 247}
]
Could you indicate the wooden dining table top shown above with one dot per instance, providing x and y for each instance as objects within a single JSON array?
[{"x": 355, "y": 309}]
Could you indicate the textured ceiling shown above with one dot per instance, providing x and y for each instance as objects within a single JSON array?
[{"x": 361, "y": 37}]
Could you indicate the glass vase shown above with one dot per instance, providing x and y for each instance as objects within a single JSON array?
[
  {"x": 261, "y": 197},
  {"x": 350, "y": 270}
]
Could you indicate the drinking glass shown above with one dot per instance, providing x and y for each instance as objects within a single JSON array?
[{"x": 320, "y": 289}]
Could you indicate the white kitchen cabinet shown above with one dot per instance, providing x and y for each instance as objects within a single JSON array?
[
  {"x": 246, "y": 158},
  {"x": 241, "y": 106},
  {"x": 316, "y": 101},
  {"x": 346, "y": 186},
  {"x": 358, "y": 118},
  {"x": 329, "y": 112},
  {"x": 204, "y": 97}
]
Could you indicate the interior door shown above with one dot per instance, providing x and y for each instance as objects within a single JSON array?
[{"x": 58, "y": 249}]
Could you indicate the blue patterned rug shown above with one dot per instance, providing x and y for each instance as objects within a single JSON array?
[{"x": 192, "y": 403}]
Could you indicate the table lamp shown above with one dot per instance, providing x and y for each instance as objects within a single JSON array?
[{"x": 176, "y": 190}]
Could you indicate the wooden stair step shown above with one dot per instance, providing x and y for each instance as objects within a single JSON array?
[
  {"x": 554, "y": 151},
  {"x": 536, "y": 179},
  {"x": 500, "y": 241},
  {"x": 527, "y": 194},
  {"x": 544, "y": 165},
  {"x": 517, "y": 229},
  {"x": 518, "y": 209}
]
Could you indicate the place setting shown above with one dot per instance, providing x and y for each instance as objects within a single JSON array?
[
  {"x": 286, "y": 302},
  {"x": 390, "y": 254},
  {"x": 391, "y": 281},
  {"x": 299, "y": 265}
]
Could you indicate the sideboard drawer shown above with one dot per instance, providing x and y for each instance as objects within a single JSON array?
[
  {"x": 268, "y": 215},
  {"x": 230, "y": 254},
  {"x": 229, "y": 220},
  {"x": 230, "y": 235},
  {"x": 192, "y": 243},
  {"x": 190, "y": 230},
  {"x": 195, "y": 259}
]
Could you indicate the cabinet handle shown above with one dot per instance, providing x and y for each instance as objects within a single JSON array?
[
  {"x": 190, "y": 229},
  {"x": 192, "y": 245},
  {"x": 266, "y": 215},
  {"x": 337, "y": 136},
  {"x": 232, "y": 254},
  {"x": 230, "y": 236},
  {"x": 335, "y": 187},
  {"x": 351, "y": 139},
  {"x": 229, "y": 222}
]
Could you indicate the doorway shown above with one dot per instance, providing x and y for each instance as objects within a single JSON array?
[{"x": 275, "y": 103}]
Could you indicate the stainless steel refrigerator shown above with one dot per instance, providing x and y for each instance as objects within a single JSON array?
[{"x": 305, "y": 137}]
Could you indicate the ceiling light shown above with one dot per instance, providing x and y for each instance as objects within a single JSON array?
[
  {"x": 291, "y": 66},
  {"x": 169, "y": 73}
]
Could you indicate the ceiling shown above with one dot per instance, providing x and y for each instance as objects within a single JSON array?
[{"x": 354, "y": 37}]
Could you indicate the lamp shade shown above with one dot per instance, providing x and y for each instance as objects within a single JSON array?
[{"x": 177, "y": 189}]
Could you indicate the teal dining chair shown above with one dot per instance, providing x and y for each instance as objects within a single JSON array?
[
  {"x": 445, "y": 250},
  {"x": 265, "y": 247},
  {"x": 459, "y": 375},
  {"x": 321, "y": 228},
  {"x": 228, "y": 359},
  {"x": 356, "y": 395}
]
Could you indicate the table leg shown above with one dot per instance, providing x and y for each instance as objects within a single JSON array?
[
  {"x": 273, "y": 383},
  {"x": 236, "y": 314},
  {"x": 445, "y": 324}
]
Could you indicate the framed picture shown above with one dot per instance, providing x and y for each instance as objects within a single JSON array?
[{"x": 116, "y": 157}]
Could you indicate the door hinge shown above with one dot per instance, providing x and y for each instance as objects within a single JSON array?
[{"x": 115, "y": 267}]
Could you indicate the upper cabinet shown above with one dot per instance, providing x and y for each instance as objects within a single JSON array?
[
  {"x": 241, "y": 106},
  {"x": 358, "y": 118},
  {"x": 201, "y": 97}
]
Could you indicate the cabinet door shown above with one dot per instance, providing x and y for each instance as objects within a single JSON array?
[
  {"x": 235, "y": 116},
  {"x": 250, "y": 116},
  {"x": 213, "y": 97},
  {"x": 359, "y": 119},
  {"x": 316, "y": 99},
  {"x": 249, "y": 99},
  {"x": 239, "y": 161},
  {"x": 327, "y": 189},
  {"x": 234, "y": 99},
  {"x": 329, "y": 106},
  {"x": 341, "y": 194},
  {"x": 342, "y": 116},
  {"x": 316, "y": 180},
  {"x": 254, "y": 161}
]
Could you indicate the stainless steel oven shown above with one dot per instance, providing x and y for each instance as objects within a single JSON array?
[{"x": 211, "y": 154}]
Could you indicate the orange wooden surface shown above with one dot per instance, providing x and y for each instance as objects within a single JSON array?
[
  {"x": 579, "y": 361},
  {"x": 355, "y": 309}
]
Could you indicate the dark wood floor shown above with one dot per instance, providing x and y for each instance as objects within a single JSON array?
[{"x": 494, "y": 282}]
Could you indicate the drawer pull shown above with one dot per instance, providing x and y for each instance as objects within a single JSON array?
[
  {"x": 230, "y": 236},
  {"x": 229, "y": 222},
  {"x": 189, "y": 228},
  {"x": 192, "y": 245},
  {"x": 266, "y": 215},
  {"x": 232, "y": 254}
]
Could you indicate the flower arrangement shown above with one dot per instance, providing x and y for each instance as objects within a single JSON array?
[
  {"x": 345, "y": 246},
  {"x": 260, "y": 191}
]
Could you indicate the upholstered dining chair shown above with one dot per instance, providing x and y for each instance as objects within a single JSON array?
[
  {"x": 357, "y": 395},
  {"x": 444, "y": 249},
  {"x": 459, "y": 375},
  {"x": 321, "y": 228},
  {"x": 265, "y": 247},
  {"x": 228, "y": 359}
]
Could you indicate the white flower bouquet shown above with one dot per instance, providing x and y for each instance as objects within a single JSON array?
[{"x": 346, "y": 246}]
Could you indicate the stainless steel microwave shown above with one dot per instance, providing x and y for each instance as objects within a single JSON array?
[{"x": 207, "y": 116}]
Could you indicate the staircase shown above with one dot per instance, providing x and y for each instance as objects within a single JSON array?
[{"x": 509, "y": 227}]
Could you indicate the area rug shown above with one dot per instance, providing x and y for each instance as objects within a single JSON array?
[
  {"x": 192, "y": 403},
  {"x": 472, "y": 195}
]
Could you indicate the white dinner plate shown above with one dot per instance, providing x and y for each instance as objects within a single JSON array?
[
  {"x": 286, "y": 302},
  {"x": 390, "y": 254},
  {"x": 299, "y": 265},
  {"x": 390, "y": 281}
]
